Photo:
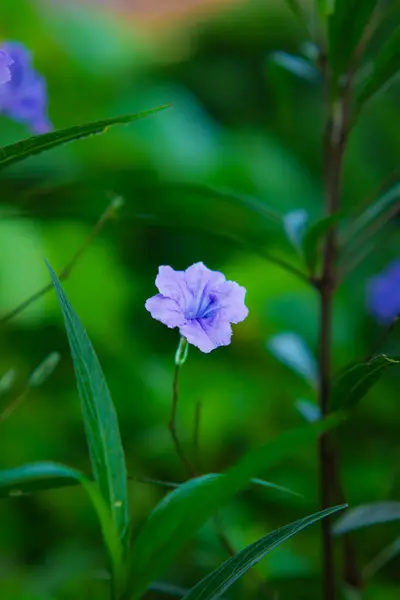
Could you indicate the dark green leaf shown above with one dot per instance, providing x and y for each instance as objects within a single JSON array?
[
  {"x": 168, "y": 588},
  {"x": 31, "y": 477},
  {"x": 346, "y": 26},
  {"x": 293, "y": 352},
  {"x": 216, "y": 583},
  {"x": 101, "y": 423},
  {"x": 313, "y": 239},
  {"x": 40, "y": 143},
  {"x": 385, "y": 67},
  {"x": 367, "y": 514},
  {"x": 355, "y": 382},
  {"x": 178, "y": 517},
  {"x": 295, "y": 224}
]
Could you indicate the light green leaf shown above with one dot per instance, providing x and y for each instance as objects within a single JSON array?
[
  {"x": 366, "y": 515},
  {"x": 385, "y": 67},
  {"x": 216, "y": 583},
  {"x": 100, "y": 419},
  {"x": 292, "y": 351},
  {"x": 297, "y": 65},
  {"x": 313, "y": 239},
  {"x": 40, "y": 143},
  {"x": 14, "y": 482},
  {"x": 178, "y": 517},
  {"x": 295, "y": 224},
  {"x": 309, "y": 410},
  {"x": 346, "y": 26},
  {"x": 355, "y": 382}
]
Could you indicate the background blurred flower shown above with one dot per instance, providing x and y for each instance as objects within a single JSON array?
[
  {"x": 200, "y": 302},
  {"x": 384, "y": 294},
  {"x": 24, "y": 96},
  {"x": 5, "y": 62}
]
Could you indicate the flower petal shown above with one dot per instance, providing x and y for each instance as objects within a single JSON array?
[
  {"x": 165, "y": 310},
  {"x": 207, "y": 334},
  {"x": 200, "y": 280},
  {"x": 230, "y": 305},
  {"x": 172, "y": 284}
]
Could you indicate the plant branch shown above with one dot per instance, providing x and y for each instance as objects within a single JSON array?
[
  {"x": 172, "y": 423},
  {"x": 65, "y": 273}
]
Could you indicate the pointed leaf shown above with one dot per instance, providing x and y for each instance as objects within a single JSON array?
[
  {"x": 295, "y": 224},
  {"x": 14, "y": 482},
  {"x": 100, "y": 419},
  {"x": 216, "y": 583},
  {"x": 293, "y": 352},
  {"x": 355, "y": 382},
  {"x": 313, "y": 239},
  {"x": 40, "y": 143},
  {"x": 367, "y": 514},
  {"x": 178, "y": 517},
  {"x": 346, "y": 27},
  {"x": 385, "y": 67}
]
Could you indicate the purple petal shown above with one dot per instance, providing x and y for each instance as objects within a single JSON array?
[
  {"x": 171, "y": 284},
  {"x": 200, "y": 281},
  {"x": 207, "y": 334},
  {"x": 5, "y": 62},
  {"x": 165, "y": 310},
  {"x": 230, "y": 303},
  {"x": 384, "y": 297}
]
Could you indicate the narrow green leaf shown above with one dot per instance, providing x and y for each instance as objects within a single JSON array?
[
  {"x": 355, "y": 382},
  {"x": 375, "y": 215},
  {"x": 297, "y": 65},
  {"x": 346, "y": 26},
  {"x": 216, "y": 583},
  {"x": 385, "y": 67},
  {"x": 290, "y": 349},
  {"x": 46, "y": 368},
  {"x": 366, "y": 515},
  {"x": 168, "y": 588},
  {"x": 40, "y": 143},
  {"x": 313, "y": 239},
  {"x": 178, "y": 517},
  {"x": 100, "y": 419},
  {"x": 7, "y": 381},
  {"x": 295, "y": 225},
  {"x": 14, "y": 482}
]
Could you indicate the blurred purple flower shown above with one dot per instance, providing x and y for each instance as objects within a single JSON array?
[
  {"x": 384, "y": 294},
  {"x": 5, "y": 63},
  {"x": 24, "y": 97},
  {"x": 200, "y": 302}
]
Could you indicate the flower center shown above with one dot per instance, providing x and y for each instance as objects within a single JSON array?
[{"x": 202, "y": 308}]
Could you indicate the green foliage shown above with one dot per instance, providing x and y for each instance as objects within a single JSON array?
[
  {"x": 180, "y": 515},
  {"x": 100, "y": 419},
  {"x": 216, "y": 583},
  {"x": 35, "y": 145},
  {"x": 384, "y": 68},
  {"x": 313, "y": 239},
  {"x": 355, "y": 382},
  {"x": 293, "y": 351},
  {"x": 366, "y": 515}
]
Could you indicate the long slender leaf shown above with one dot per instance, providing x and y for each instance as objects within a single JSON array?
[
  {"x": 178, "y": 517},
  {"x": 40, "y": 143},
  {"x": 355, "y": 382},
  {"x": 100, "y": 419},
  {"x": 366, "y": 515},
  {"x": 15, "y": 482},
  {"x": 216, "y": 583},
  {"x": 385, "y": 67},
  {"x": 346, "y": 26}
]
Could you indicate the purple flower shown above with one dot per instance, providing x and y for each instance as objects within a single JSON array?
[
  {"x": 24, "y": 97},
  {"x": 384, "y": 294},
  {"x": 200, "y": 302},
  {"x": 5, "y": 62}
]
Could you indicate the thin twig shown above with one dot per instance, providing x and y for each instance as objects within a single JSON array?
[
  {"x": 11, "y": 408},
  {"x": 172, "y": 424},
  {"x": 196, "y": 434},
  {"x": 65, "y": 273}
]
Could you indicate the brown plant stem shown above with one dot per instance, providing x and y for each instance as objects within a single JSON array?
[{"x": 66, "y": 271}]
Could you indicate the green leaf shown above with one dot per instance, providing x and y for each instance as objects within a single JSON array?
[
  {"x": 295, "y": 224},
  {"x": 40, "y": 143},
  {"x": 14, "y": 482},
  {"x": 325, "y": 7},
  {"x": 313, "y": 239},
  {"x": 101, "y": 423},
  {"x": 355, "y": 382},
  {"x": 366, "y": 515},
  {"x": 290, "y": 349},
  {"x": 216, "y": 583},
  {"x": 178, "y": 517},
  {"x": 309, "y": 410},
  {"x": 375, "y": 215},
  {"x": 385, "y": 67},
  {"x": 168, "y": 588},
  {"x": 346, "y": 26},
  {"x": 297, "y": 65}
]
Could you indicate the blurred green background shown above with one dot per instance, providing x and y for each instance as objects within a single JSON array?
[{"x": 238, "y": 122}]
